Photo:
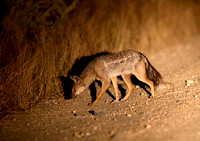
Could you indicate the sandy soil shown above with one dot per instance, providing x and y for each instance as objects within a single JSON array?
[{"x": 173, "y": 115}]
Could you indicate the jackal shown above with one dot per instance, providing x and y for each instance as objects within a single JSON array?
[{"x": 106, "y": 68}]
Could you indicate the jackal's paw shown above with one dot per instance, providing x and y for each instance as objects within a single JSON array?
[
  {"x": 91, "y": 104},
  {"x": 115, "y": 101},
  {"x": 123, "y": 99},
  {"x": 151, "y": 97}
]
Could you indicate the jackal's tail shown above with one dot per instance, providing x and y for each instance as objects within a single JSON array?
[{"x": 152, "y": 73}]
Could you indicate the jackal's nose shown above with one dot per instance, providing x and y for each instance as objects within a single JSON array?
[{"x": 73, "y": 96}]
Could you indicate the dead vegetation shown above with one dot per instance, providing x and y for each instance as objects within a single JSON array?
[{"x": 40, "y": 40}]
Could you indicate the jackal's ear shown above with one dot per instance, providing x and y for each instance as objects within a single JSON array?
[{"x": 75, "y": 78}]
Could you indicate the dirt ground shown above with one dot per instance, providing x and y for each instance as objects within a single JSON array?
[{"x": 173, "y": 115}]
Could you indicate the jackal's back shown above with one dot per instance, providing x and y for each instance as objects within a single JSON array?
[{"x": 123, "y": 62}]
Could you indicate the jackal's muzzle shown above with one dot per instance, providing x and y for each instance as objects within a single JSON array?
[{"x": 73, "y": 96}]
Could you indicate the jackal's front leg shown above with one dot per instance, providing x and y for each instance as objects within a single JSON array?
[
  {"x": 104, "y": 87},
  {"x": 115, "y": 85}
]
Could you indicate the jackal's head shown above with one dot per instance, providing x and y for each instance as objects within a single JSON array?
[{"x": 78, "y": 86}]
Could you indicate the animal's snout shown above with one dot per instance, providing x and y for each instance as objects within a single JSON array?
[{"x": 73, "y": 96}]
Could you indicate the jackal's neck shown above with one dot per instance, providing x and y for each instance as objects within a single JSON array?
[{"x": 88, "y": 75}]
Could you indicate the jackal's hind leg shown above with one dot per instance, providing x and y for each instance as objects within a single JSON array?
[
  {"x": 140, "y": 73},
  {"x": 104, "y": 87},
  {"x": 150, "y": 83},
  {"x": 131, "y": 88},
  {"x": 115, "y": 85}
]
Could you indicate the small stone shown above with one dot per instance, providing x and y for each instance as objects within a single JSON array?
[
  {"x": 78, "y": 134},
  {"x": 147, "y": 126},
  {"x": 151, "y": 118},
  {"x": 112, "y": 133},
  {"x": 91, "y": 112},
  {"x": 195, "y": 96},
  {"x": 128, "y": 115},
  {"x": 87, "y": 134},
  {"x": 188, "y": 82},
  {"x": 95, "y": 127},
  {"x": 14, "y": 119},
  {"x": 74, "y": 113}
]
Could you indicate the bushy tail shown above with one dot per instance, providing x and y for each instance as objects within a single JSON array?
[{"x": 152, "y": 73}]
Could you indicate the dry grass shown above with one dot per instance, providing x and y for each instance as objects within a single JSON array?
[{"x": 42, "y": 40}]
